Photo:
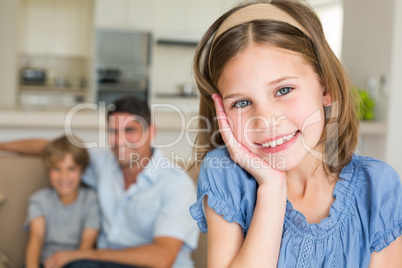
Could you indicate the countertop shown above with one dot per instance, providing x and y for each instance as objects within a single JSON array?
[
  {"x": 167, "y": 116},
  {"x": 88, "y": 116}
]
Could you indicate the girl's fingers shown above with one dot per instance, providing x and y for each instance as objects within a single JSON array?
[{"x": 224, "y": 127}]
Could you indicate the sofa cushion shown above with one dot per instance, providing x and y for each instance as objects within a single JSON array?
[
  {"x": 20, "y": 176},
  {"x": 5, "y": 261},
  {"x": 2, "y": 198}
]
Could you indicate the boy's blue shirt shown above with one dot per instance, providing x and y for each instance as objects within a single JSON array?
[{"x": 366, "y": 215}]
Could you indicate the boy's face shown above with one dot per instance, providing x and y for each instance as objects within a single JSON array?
[{"x": 65, "y": 176}]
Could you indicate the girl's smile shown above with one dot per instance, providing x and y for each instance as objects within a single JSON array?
[
  {"x": 279, "y": 144},
  {"x": 268, "y": 95}
]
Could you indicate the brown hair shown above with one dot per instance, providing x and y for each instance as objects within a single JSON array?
[
  {"x": 340, "y": 132},
  {"x": 57, "y": 150}
]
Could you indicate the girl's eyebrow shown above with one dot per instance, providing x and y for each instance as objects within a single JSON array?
[
  {"x": 276, "y": 81},
  {"x": 281, "y": 79},
  {"x": 230, "y": 96}
]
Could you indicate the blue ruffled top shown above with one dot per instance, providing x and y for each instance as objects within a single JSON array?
[{"x": 366, "y": 215}]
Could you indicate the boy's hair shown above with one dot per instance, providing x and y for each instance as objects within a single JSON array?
[
  {"x": 131, "y": 105},
  {"x": 57, "y": 150},
  {"x": 339, "y": 137}
]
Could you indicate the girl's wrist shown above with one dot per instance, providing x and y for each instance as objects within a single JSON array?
[{"x": 277, "y": 186}]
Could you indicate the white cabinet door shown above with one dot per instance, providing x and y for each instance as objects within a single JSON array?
[
  {"x": 126, "y": 14},
  {"x": 186, "y": 18},
  {"x": 111, "y": 14},
  {"x": 170, "y": 17},
  {"x": 35, "y": 27},
  {"x": 56, "y": 27},
  {"x": 142, "y": 14},
  {"x": 70, "y": 27},
  {"x": 201, "y": 15},
  {"x": 226, "y": 5},
  {"x": 167, "y": 18}
]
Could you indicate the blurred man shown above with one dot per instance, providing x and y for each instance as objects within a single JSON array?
[{"x": 144, "y": 199}]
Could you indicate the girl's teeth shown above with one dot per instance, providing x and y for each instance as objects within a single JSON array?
[{"x": 279, "y": 141}]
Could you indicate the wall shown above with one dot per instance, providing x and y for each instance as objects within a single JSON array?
[
  {"x": 8, "y": 49},
  {"x": 366, "y": 54},
  {"x": 366, "y": 48},
  {"x": 394, "y": 141}
]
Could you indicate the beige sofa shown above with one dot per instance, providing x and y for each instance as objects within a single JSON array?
[{"x": 20, "y": 176}]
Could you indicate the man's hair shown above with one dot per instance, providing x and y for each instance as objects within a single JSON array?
[
  {"x": 131, "y": 105},
  {"x": 56, "y": 150}
]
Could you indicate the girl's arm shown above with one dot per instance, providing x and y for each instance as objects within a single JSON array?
[
  {"x": 226, "y": 247},
  {"x": 35, "y": 242},
  {"x": 226, "y": 244},
  {"x": 389, "y": 257},
  {"x": 88, "y": 238}
]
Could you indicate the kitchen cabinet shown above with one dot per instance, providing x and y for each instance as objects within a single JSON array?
[
  {"x": 125, "y": 14},
  {"x": 166, "y": 18},
  {"x": 56, "y": 37},
  {"x": 56, "y": 27},
  {"x": 189, "y": 18}
]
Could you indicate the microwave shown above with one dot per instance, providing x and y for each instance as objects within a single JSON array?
[{"x": 33, "y": 76}]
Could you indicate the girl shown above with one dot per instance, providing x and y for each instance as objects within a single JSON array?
[
  {"x": 65, "y": 217},
  {"x": 287, "y": 189}
]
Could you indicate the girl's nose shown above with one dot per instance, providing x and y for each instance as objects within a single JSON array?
[{"x": 266, "y": 118}]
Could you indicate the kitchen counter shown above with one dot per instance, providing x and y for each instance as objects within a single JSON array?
[
  {"x": 87, "y": 116},
  {"x": 168, "y": 114}
]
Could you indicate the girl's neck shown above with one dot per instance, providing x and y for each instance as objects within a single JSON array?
[
  {"x": 310, "y": 190},
  {"x": 310, "y": 172},
  {"x": 68, "y": 199}
]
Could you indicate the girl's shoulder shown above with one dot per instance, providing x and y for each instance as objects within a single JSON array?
[
  {"x": 230, "y": 189},
  {"x": 377, "y": 198},
  {"x": 371, "y": 173}
]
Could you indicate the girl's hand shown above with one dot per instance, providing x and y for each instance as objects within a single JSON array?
[{"x": 248, "y": 160}]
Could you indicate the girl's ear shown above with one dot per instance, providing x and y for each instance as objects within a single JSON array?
[{"x": 326, "y": 98}]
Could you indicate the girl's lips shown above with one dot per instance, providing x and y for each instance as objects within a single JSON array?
[
  {"x": 281, "y": 147},
  {"x": 277, "y": 137}
]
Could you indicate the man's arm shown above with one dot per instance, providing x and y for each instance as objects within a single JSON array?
[
  {"x": 161, "y": 253},
  {"x": 31, "y": 146},
  {"x": 35, "y": 242}
]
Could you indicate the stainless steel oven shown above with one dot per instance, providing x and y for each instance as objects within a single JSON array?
[{"x": 122, "y": 64}]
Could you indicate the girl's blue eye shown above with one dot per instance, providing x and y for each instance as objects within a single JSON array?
[
  {"x": 242, "y": 104},
  {"x": 283, "y": 91}
]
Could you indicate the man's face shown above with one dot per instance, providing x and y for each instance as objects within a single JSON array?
[{"x": 130, "y": 139}]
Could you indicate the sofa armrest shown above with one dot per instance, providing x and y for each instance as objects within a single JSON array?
[{"x": 20, "y": 176}]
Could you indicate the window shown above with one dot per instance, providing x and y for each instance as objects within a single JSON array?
[{"x": 330, "y": 13}]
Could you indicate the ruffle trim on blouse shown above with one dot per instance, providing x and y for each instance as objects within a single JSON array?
[
  {"x": 386, "y": 239},
  {"x": 219, "y": 206},
  {"x": 342, "y": 191}
]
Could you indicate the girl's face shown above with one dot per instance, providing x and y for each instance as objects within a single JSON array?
[
  {"x": 274, "y": 103},
  {"x": 65, "y": 176}
]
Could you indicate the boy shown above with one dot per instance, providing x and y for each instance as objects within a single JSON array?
[{"x": 65, "y": 217}]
